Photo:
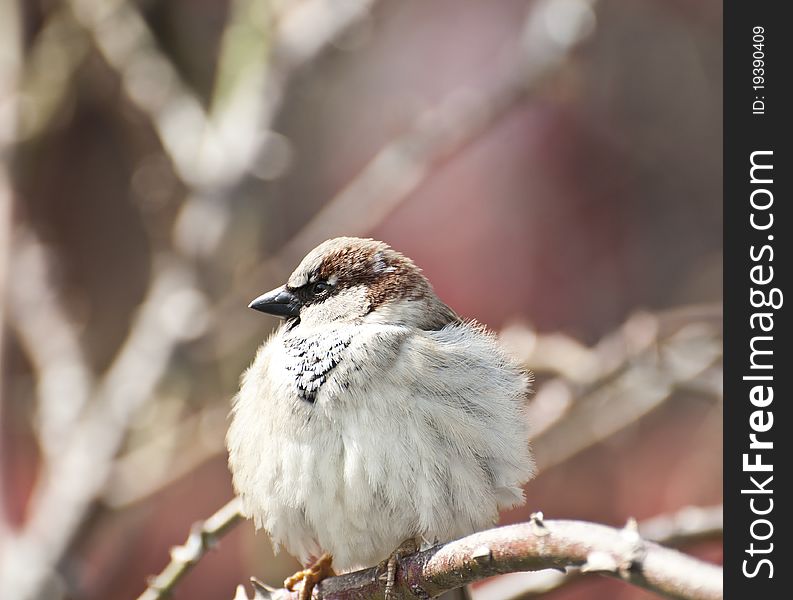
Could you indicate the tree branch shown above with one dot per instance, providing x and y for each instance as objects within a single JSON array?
[
  {"x": 10, "y": 61},
  {"x": 628, "y": 394},
  {"x": 689, "y": 525},
  {"x": 400, "y": 166},
  {"x": 532, "y": 546},
  {"x": 631, "y": 554},
  {"x": 204, "y": 535},
  {"x": 436, "y": 135},
  {"x": 178, "y": 448},
  {"x": 51, "y": 342}
]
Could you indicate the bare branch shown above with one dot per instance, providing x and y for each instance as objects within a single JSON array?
[
  {"x": 10, "y": 61},
  {"x": 399, "y": 167},
  {"x": 532, "y": 546},
  {"x": 177, "y": 449},
  {"x": 608, "y": 362},
  {"x": 249, "y": 94},
  {"x": 561, "y": 355},
  {"x": 204, "y": 536},
  {"x": 149, "y": 79},
  {"x": 213, "y": 151},
  {"x": 59, "y": 48},
  {"x": 627, "y": 394},
  {"x": 74, "y": 479},
  {"x": 595, "y": 376},
  {"x": 687, "y": 526},
  {"x": 403, "y": 164},
  {"x": 64, "y": 380},
  {"x": 504, "y": 555},
  {"x": 244, "y": 111}
]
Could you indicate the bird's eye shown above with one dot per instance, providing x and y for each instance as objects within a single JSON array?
[{"x": 319, "y": 288}]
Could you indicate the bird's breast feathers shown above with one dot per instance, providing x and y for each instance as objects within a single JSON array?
[{"x": 350, "y": 439}]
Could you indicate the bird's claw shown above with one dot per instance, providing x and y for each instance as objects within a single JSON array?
[
  {"x": 389, "y": 567},
  {"x": 311, "y": 576}
]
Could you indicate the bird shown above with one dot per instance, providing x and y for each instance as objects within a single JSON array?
[{"x": 374, "y": 421}]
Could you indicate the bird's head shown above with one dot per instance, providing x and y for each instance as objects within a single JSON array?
[{"x": 357, "y": 280}]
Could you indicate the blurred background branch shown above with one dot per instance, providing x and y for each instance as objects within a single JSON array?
[
  {"x": 161, "y": 163},
  {"x": 10, "y": 58}
]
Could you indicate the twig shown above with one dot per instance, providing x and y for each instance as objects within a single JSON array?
[
  {"x": 5, "y": 218},
  {"x": 57, "y": 51},
  {"x": 561, "y": 355},
  {"x": 149, "y": 79},
  {"x": 554, "y": 353},
  {"x": 177, "y": 449},
  {"x": 404, "y": 163},
  {"x": 629, "y": 395},
  {"x": 687, "y": 526},
  {"x": 51, "y": 342},
  {"x": 74, "y": 479},
  {"x": 399, "y": 167},
  {"x": 213, "y": 152},
  {"x": 204, "y": 536},
  {"x": 532, "y": 546},
  {"x": 244, "y": 114},
  {"x": 582, "y": 371},
  {"x": 610, "y": 359},
  {"x": 249, "y": 96},
  {"x": 10, "y": 61}
]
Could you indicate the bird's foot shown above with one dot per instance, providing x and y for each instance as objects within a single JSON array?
[
  {"x": 389, "y": 566},
  {"x": 311, "y": 576}
]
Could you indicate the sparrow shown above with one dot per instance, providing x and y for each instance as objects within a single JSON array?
[{"x": 374, "y": 421}]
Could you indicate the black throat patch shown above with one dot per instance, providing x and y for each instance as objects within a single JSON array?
[{"x": 310, "y": 360}]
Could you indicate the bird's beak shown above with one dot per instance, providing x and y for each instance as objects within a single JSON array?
[{"x": 279, "y": 302}]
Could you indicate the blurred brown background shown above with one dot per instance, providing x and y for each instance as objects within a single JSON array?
[{"x": 553, "y": 167}]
